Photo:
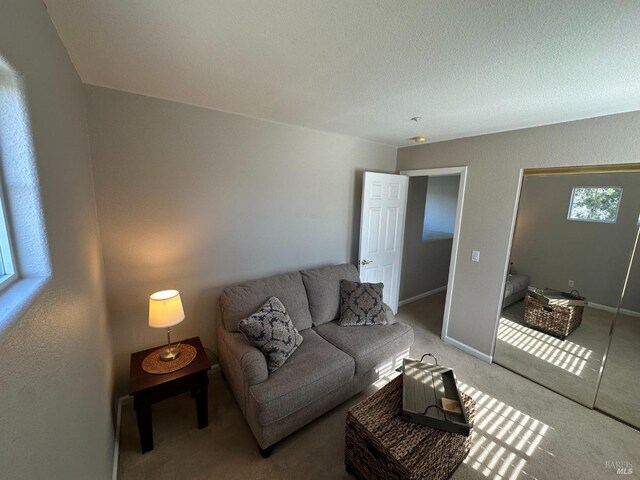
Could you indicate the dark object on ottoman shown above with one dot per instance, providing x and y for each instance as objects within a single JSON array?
[
  {"x": 430, "y": 397},
  {"x": 381, "y": 445}
]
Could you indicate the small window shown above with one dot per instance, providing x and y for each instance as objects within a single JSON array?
[
  {"x": 7, "y": 268},
  {"x": 595, "y": 204}
]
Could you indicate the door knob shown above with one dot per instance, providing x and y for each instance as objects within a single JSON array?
[{"x": 365, "y": 262}]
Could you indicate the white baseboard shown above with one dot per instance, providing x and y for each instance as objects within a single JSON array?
[
  {"x": 607, "y": 308},
  {"x": 631, "y": 313},
  {"x": 422, "y": 295},
  {"x": 466, "y": 348},
  {"x": 125, "y": 400}
]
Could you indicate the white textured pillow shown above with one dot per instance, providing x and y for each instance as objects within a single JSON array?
[{"x": 271, "y": 330}]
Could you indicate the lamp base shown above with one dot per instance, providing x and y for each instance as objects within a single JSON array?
[{"x": 169, "y": 354}]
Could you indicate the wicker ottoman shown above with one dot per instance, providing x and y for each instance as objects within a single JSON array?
[
  {"x": 555, "y": 319},
  {"x": 381, "y": 445}
]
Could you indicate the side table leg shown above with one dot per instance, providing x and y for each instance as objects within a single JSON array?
[
  {"x": 145, "y": 429},
  {"x": 202, "y": 405}
]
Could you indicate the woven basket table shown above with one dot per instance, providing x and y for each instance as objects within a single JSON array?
[
  {"x": 381, "y": 445},
  {"x": 556, "y": 320}
]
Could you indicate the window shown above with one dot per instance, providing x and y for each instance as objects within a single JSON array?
[
  {"x": 25, "y": 265},
  {"x": 7, "y": 267},
  {"x": 595, "y": 204}
]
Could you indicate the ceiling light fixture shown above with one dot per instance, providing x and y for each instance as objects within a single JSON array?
[{"x": 419, "y": 139}]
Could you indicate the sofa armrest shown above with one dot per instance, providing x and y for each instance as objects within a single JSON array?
[
  {"x": 245, "y": 358},
  {"x": 391, "y": 318}
]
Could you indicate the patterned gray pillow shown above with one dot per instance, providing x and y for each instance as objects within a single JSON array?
[
  {"x": 272, "y": 331},
  {"x": 361, "y": 304}
]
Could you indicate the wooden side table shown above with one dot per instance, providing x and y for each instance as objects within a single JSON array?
[{"x": 148, "y": 389}]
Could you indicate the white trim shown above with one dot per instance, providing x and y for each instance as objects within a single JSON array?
[
  {"x": 466, "y": 348},
  {"x": 438, "y": 172},
  {"x": 7, "y": 259},
  {"x": 506, "y": 263},
  {"x": 422, "y": 295},
  {"x": 607, "y": 308},
  {"x": 126, "y": 400},
  {"x": 396, "y": 289},
  {"x": 631, "y": 313},
  {"x": 434, "y": 172}
]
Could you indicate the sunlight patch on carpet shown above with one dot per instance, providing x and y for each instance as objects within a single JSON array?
[
  {"x": 566, "y": 355},
  {"x": 503, "y": 438}
]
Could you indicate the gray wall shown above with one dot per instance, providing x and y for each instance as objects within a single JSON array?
[
  {"x": 552, "y": 250},
  {"x": 425, "y": 264},
  {"x": 196, "y": 199},
  {"x": 55, "y": 379},
  {"x": 494, "y": 163}
]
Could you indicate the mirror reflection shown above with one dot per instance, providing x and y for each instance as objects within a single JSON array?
[
  {"x": 619, "y": 392},
  {"x": 569, "y": 264}
]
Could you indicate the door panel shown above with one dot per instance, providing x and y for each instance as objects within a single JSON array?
[{"x": 384, "y": 200}]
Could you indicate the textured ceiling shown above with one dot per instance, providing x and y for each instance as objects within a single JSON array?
[{"x": 364, "y": 68}]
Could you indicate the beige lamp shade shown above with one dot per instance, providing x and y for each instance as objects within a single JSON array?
[{"x": 165, "y": 309}]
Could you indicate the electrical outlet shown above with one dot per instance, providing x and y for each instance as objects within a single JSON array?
[
  {"x": 475, "y": 256},
  {"x": 571, "y": 283}
]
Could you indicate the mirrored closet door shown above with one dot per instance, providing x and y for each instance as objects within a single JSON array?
[
  {"x": 619, "y": 391},
  {"x": 569, "y": 265}
]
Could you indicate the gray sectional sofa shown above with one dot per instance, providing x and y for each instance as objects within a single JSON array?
[
  {"x": 515, "y": 289},
  {"x": 332, "y": 364}
]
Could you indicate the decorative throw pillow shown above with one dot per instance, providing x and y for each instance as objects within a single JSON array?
[
  {"x": 361, "y": 304},
  {"x": 271, "y": 330}
]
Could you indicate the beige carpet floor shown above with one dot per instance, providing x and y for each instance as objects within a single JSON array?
[
  {"x": 570, "y": 367},
  {"x": 522, "y": 431}
]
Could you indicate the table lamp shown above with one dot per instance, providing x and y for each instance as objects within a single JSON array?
[{"x": 165, "y": 311}]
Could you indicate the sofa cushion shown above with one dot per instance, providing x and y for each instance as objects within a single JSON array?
[
  {"x": 323, "y": 290},
  {"x": 315, "y": 368},
  {"x": 515, "y": 283},
  {"x": 388, "y": 313},
  {"x": 271, "y": 330},
  {"x": 361, "y": 304},
  {"x": 370, "y": 345},
  {"x": 242, "y": 300}
]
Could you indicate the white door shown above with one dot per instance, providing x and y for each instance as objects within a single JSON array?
[{"x": 384, "y": 201}]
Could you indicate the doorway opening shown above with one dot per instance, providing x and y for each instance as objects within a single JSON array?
[
  {"x": 431, "y": 239},
  {"x": 382, "y": 258}
]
